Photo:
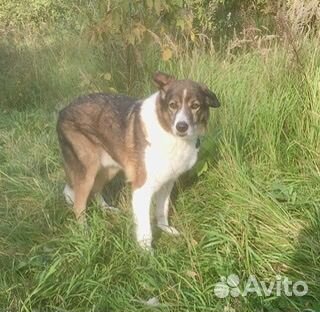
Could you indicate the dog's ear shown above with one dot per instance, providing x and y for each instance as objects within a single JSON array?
[
  {"x": 210, "y": 98},
  {"x": 162, "y": 80}
]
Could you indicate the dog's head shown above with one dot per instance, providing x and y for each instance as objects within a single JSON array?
[{"x": 183, "y": 105}]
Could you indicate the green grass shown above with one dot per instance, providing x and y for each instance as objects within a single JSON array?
[{"x": 250, "y": 206}]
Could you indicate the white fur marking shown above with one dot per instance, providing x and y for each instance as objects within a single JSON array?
[
  {"x": 184, "y": 95},
  {"x": 141, "y": 201},
  {"x": 68, "y": 194},
  {"x": 107, "y": 161},
  {"x": 181, "y": 116}
]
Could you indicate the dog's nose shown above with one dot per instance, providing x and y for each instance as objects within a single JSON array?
[{"x": 182, "y": 126}]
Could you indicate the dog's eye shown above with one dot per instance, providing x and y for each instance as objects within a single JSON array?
[
  {"x": 195, "y": 105},
  {"x": 173, "y": 105}
]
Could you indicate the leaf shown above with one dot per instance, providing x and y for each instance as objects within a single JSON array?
[
  {"x": 166, "y": 54},
  {"x": 180, "y": 23},
  {"x": 113, "y": 90},
  {"x": 107, "y": 76},
  {"x": 283, "y": 193},
  {"x": 204, "y": 169},
  {"x": 149, "y": 4},
  {"x": 192, "y": 36},
  {"x": 130, "y": 38},
  {"x": 138, "y": 31},
  {"x": 157, "y": 6}
]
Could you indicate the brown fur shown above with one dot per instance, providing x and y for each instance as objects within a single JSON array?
[{"x": 90, "y": 126}]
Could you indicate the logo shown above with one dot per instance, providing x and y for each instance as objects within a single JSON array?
[{"x": 230, "y": 286}]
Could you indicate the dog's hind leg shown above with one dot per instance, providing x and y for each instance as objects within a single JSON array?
[
  {"x": 103, "y": 177},
  {"x": 82, "y": 188},
  {"x": 81, "y": 164}
]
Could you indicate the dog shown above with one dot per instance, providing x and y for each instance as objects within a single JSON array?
[{"x": 153, "y": 141}]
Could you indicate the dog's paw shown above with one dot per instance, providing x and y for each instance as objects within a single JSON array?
[
  {"x": 146, "y": 245},
  {"x": 103, "y": 204},
  {"x": 68, "y": 195},
  {"x": 110, "y": 208},
  {"x": 82, "y": 220},
  {"x": 169, "y": 229}
]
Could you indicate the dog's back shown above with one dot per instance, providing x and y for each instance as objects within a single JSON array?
[
  {"x": 97, "y": 116},
  {"x": 102, "y": 119}
]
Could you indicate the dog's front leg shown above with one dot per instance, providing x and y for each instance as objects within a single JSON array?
[
  {"x": 141, "y": 201},
  {"x": 162, "y": 208}
]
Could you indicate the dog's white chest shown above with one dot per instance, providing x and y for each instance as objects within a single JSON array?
[
  {"x": 166, "y": 156},
  {"x": 167, "y": 160}
]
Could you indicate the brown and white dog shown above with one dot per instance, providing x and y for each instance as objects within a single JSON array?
[{"x": 153, "y": 141}]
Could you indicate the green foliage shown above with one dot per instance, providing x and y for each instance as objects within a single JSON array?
[
  {"x": 35, "y": 13},
  {"x": 250, "y": 207}
]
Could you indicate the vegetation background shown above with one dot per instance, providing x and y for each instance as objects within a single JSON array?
[{"x": 250, "y": 206}]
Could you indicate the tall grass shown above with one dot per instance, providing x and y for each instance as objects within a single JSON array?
[{"x": 251, "y": 205}]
